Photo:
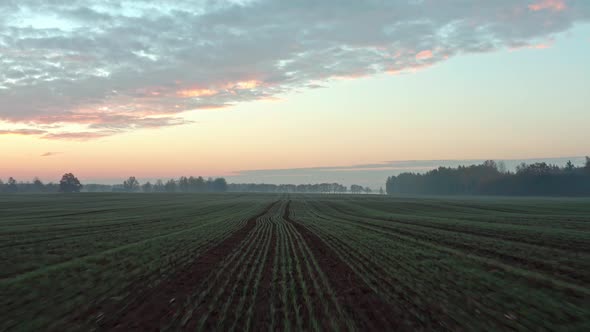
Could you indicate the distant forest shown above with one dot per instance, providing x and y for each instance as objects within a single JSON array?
[
  {"x": 492, "y": 178},
  {"x": 69, "y": 183}
]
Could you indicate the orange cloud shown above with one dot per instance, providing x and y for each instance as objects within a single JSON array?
[
  {"x": 191, "y": 93},
  {"x": 553, "y": 5},
  {"x": 541, "y": 46},
  {"x": 242, "y": 85},
  {"x": 424, "y": 55}
]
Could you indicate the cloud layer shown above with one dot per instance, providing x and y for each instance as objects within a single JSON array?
[{"x": 113, "y": 66}]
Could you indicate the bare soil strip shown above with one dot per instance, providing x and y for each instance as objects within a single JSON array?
[
  {"x": 368, "y": 309},
  {"x": 149, "y": 313}
]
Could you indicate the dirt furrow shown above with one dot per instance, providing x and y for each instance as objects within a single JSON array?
[
  {"x": 357, "y": 298},
  {"x": 152, "y": 311}
]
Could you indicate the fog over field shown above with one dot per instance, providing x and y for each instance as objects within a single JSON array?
[{"x": 372, "y": 175}]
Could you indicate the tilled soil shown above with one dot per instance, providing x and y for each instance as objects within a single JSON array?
[
  {"x": 154, "y": 310},
  {"x": 275, "y": 274}
]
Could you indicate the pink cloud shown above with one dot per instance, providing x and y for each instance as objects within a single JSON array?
[
  {"x": 553, "y": 5},
  {"x": 539, "y": 46},
  {"x": 78, "y": 136},
  {"x": 99, "y": 88},
  {"x": 100, "y": 123},
  {"x": 192, "y": 93},
  {"x": 413, "y": 69},
  {"x": 424, "y": 55},
  {"x": 23, "y": 132}
]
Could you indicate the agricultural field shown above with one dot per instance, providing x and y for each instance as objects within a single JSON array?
[{"x": 262, "y": 262}]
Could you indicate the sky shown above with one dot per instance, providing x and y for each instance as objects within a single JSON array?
[{"x": 245, "y": 89}]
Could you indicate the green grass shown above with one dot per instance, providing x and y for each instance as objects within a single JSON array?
[{"x": 479, "y": 263}]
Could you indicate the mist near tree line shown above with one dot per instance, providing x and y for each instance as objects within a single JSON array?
[
  {"x": 373, "y": 175},
  {"x": 69, "y": 183},
  {"x": 488, "y": 178}
]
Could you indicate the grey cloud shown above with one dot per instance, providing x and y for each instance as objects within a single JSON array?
[
  {"x": 50, "y": 154},
  {"x": 131, "y": 58}
]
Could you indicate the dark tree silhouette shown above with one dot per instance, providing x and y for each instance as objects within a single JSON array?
[
  {"x": 356, "y": 189},
  {"x": 131, "y": 184},
  {"x": 147, "y": 187},
  {"x": 69, "y": 184},
  {"x": 219, "y": 185},
  {"x": 170, "y": 186},
  {"x": 38, "y": 186},
  {"x": 486, "y": 179},
  {"x": 159, "y": 186},
  {"x": 11, "y": 186}
]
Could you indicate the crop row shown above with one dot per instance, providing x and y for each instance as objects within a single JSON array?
[
  {"x": 562, "y": 264},
  {"x": 443, "y": 287},
  {"x": 78, "y": 290}
]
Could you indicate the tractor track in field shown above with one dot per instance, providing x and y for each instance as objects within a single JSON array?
[
  {"x": 368, "y": 310},
  {"x": 157, "y": 306}
]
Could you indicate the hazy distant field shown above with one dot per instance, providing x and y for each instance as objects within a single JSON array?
[{"x": 298, "y": 262}]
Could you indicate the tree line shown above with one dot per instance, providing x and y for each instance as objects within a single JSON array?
[
  {"x": 492, "y": 178},
  {"x": 320, "y": 188},
  {"x": 182, "y": 184},
  {"x": 69, "y": 183}
]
